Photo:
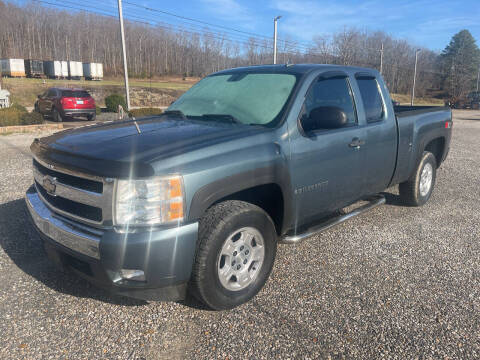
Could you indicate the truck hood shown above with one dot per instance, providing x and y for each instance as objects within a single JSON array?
[{"x": 128, "y": 148}]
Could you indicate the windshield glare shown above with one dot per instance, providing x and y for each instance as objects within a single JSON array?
[{"x": 250, "y": 98}]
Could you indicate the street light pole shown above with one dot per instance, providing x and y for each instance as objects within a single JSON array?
[
  {"x": 275, "y": 38},
  {"x": 125, "y": 72},
  {"x": 381, "y": 60},
  {"x": 414, "y": 76}
]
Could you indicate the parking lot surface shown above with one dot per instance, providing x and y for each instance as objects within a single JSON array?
[{"x": 396, "y": 282}]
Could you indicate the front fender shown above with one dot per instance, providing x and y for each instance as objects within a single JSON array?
[{"x": 260, "y": 165}]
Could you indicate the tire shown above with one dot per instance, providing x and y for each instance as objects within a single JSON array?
[
  {"x": 416, "y": 191},
  {"x": 56, "y": 115},
  {"x": 92, "y": 117},
  {"x": 36, "y": 108},
  {"x": 236, "y": 228}
]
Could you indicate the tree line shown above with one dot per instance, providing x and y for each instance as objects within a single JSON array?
[{"x": 39, "y": 32}]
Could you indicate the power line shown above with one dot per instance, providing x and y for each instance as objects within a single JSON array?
[
  {"x": 203, "y": 22},
  {"x": 297, "y": 50},
  {"x": 238, "y": 35},
  {"x": 141, "y": 21}
]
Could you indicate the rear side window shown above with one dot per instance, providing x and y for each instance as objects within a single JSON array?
[
  {"x": 51, "y": 93},
  {"x": 331, "y": 92},
  {"x": 75, "y": 93},
  {"x": 371, "y": 98}
]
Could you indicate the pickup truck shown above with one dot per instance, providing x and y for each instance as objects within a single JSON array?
[{"x": 195, "y": 201}]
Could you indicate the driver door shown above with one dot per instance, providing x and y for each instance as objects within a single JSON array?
[{"x": 326, "y": 163}]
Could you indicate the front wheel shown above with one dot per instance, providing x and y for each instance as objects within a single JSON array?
[
  {"x": 235, "y": 254},
  {"x": 417, "y": 190}
]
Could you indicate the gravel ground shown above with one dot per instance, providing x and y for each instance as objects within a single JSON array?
[{"x": 396, "y": 282}]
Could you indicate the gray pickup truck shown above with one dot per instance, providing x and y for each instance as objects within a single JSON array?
[{"x": 197, "y": 199}]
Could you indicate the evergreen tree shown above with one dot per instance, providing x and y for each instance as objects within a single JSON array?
[{"x": 460, "y": 62}]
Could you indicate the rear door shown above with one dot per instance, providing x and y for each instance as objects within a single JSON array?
[
  {"x": 326, "y": 166},
  {"x": 380, "y": 149}
]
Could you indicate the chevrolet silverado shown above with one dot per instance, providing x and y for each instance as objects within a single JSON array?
[{"x": 195, "y": 201}]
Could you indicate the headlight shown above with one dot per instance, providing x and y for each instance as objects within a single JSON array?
[{"x": 157, "y": 200}]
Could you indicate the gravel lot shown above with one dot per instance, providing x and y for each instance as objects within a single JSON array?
[{"x": 396, "y": 282}]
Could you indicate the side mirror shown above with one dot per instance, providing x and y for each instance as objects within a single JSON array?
[{"x": 324, "y": 117}]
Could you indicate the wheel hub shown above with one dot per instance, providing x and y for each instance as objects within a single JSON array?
[
  {"x": 240, "y": 259},
  {"x": 426, "y": 178}
]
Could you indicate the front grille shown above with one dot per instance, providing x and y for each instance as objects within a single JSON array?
[
  {"x": 70, "y": 206},
  {"x": 77, "y": 182},
  {"x": 82, "y": 198}
]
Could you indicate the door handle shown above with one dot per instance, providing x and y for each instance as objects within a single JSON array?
[{"x": 356, "y": 143}]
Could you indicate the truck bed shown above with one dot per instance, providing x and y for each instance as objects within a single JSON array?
[
  {"x": 416, "y": 125},
  {"x": 407, "y": 110}
]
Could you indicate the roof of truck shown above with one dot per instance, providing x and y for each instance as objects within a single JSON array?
[{"x": 294, "y": 68}]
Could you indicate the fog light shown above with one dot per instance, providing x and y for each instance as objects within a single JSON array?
[{"x": 132, "y": 274}]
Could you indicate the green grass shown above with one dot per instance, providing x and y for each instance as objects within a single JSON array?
[
  {"x": 157, "y": 84},
  {"x": 25, "y": 91}
]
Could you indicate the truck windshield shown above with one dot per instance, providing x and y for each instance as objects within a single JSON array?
[{"x": 247, "y": 98}]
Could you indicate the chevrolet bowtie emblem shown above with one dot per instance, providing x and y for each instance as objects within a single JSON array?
[{"x": 49, "y": 185}]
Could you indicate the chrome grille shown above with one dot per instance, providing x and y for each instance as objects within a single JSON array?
[
  {"x": 78, "y": 196},
  {"x": 74, "y": 181}
]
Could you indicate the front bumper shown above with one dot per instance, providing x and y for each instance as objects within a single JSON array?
[
  {"x": 78, "y": 112},
  {"x": 164, "y": 255}
]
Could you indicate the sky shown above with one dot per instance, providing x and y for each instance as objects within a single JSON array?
[{"x": 426, "y": 23}]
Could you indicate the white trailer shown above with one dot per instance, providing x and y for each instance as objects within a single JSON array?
[
  {"x": 56, "y": 69},
  {"x": 75, "y": 70},
  {"x": 13, "y": 67},
  {"x": 93, "y": 71}
]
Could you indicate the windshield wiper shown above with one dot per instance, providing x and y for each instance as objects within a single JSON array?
[
  {"x": 176, "y": 113},
  {"x": 223, "y": 117}
]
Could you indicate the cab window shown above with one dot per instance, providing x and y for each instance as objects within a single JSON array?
[
  {"x": 371, "y": 99},
  {"x": 333, "y": 91}
]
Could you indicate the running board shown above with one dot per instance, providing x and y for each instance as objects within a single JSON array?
[{"x": 373, "y": 201}]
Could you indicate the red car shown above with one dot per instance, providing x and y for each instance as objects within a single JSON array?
[{"x": 60, "y": 103}]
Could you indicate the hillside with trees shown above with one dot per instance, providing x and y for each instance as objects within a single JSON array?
[{"x": 157, "y": 49}]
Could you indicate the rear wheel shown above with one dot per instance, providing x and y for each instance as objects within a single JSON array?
[
  {"x": 56, "y": 115},
  {"x": 235, "y": 255},
  {"x": 417, "y": 190},
  {"x": 92, "y": 117}
]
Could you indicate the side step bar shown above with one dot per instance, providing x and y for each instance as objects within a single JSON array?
[{"x": 373, "y": 202}]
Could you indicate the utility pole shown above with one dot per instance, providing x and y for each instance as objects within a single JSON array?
[
  {"x": 125, "y": 72},
  {"x": 381, "y": 60},
  {"x": 414, "y": 75},
  {"x": 275, "y": 38}
]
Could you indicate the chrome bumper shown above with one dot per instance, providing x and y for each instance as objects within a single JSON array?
[{"x": 62, "y": 231}]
